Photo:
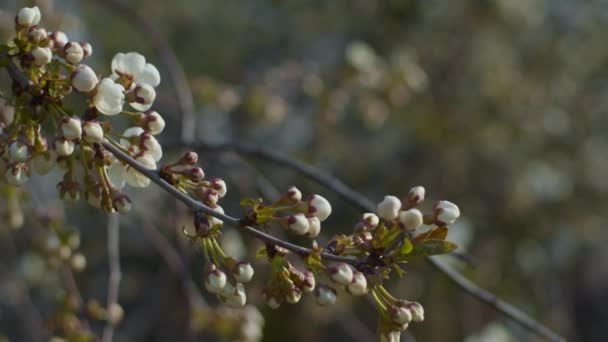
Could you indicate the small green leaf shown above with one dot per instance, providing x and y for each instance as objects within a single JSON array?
[
  {"x": 261, "y": 253},
  {"x": 249, "y": 202},
  {"x": 407, "y": 247},
  {"x": 434, "y": 247}
]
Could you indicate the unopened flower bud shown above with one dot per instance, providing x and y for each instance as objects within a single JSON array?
[
  {"x": 308, "y": 284},
  {"x": 214, "y": 221},
  {"x": 59, "y": 39},
  {"x": 208, "y": 196},
  {"x": 410, "y": 219},
  {"x": 197, "y": 175},
  {"x": 400, "y": 315},
  {"x": 189, "y": 158},
  {"x": 71, "y": 128},
  {"x": 314, "y": 227},
  {"x": 42, "y": 55},
  {"x": 18, "y": 152},
  {"x": 370, "y": 220},
  {"x": 153, "y": 122},
  {"x": 73, "y": 52},
  {"x": 272, "y": 301},
  {"x": 388, "y": 209},
  {"x": 202, "y": 225},
  {"x": 122, "y": 204},
  {"x": 144, "y": 94},
  {"x": 16, "y": 175},
  {"x": 215, "y": 281},
  {"x": 37, "y": 34},
  {"x": 28, "y": 16},
  {"x": 78, "y": 262},
  {"x": 325, "y": 295},
  {"x": 235, "y": 295},
  {"x": 293, "y": 194},
  {"x": 84, "y": 78},
  {"x": 243, "y": 272},
  {"x": 87, "y": 49},
  {"x": 358, "y": 286},
  {"x": 92, "y": 132},
  {"x": 298, "y": 224},
  {"x": 415, "y": 196},
  {"x": 445, "y": 213},
  {"x": 341, "y": 273},
  {"x": 220, "y": 186},
  {"x": 417, "y": 311},
  {"x": 64, "y": 147},
  {"x": 318, "y": 206},
  {"x": 293, "y": 295}
]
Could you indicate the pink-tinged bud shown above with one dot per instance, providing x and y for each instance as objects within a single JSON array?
[
  {"x": 59, "y": 39},
  {"x": 71, "y": 128},
  {"x": 28, "y": 16},
  {"x": 92, "y": 132},
  {"x": 215, "y": 281},
  {"x": 389, "y": 208},
  {"x": 314, "y": 227},
  {"x": 144, "y": 94},
  {"x": 84, "y": 79},
  {"x": 18, "y": 152},
  {"x": 293, "y": 295},
  {"x": 309, "y": 282},
  {"x": 410, "y": 219},
  {"x": 197, "y": 175},
  {"x": 319, "y": 206},
  {"x": 243, "y": 272},
  {"x": 298, "y": 224},
  {"x": 358, "y": 286},
  {"x": 87, "y": 49},
  {"x": 293, "y": 194},
  {"x": 341, "y": 273},
  {"x": 153, "y": 122},
  {"x": 220, "y": 186},
  {"x": 73, "y": 52},
  {"x": 415, "y": 196},
  {"x": 64, "y": 147},
  {"x": 234, "y": 295},
  {"x": 37, "y": 34},
  {"x": 416, "y": 310},
  {"x": 189, "y": 158},
  {"x": 42, "y": 55},
  {"x": 445, "y": 213},
  {"x": 325, "y": 295},
  {"x": 16, "y": 175},
  {"x": 370, "y": 220},
  {"x": 208, "y": 196},
  {"x": 400, "y": 315}
]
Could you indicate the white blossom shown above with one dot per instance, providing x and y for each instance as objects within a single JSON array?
[
  {"x": 220, "y": 186},
  {"x": 64, "y": 147},
  {"x": 243, "y": 272},
  {"x": 28, "y": 16},
  {"x": 87, "y": 49},
  {"x": 153, "y": 122},
  {"x": 341, "y": 273},
  {"x": 144, "y": 95},
  {"x": 294, "y": 194},
  {"x": 314, "y": 226},
  {"x": 298, "y": 224},
  {"x": 215, "y": 281},
  {"x": 388, "y": 209},
  {"x": 358, "y": 286},
  {"x": 234, "y": 295},
  {"x": 84, "y": 78},
  {"x": 16, "y": 175},
  {"x": 400, "y": 315},
  {"x": 133, "y": 66},
  {"x": 325, "y": 295},
  {"x": 411, "y": 219},
  {"x": 109, "y": 97},
  {"x": 58, "y": 39},
  {"x": 416, "y": 195},
  {"x": 38, "y": 34},
  {"x": 18, "y": 151}
]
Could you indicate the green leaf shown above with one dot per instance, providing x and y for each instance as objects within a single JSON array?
[
  {"x": 434, "y": 247},
  {"x": 261, "y": 253},
  {"x": 249, "y": 202},
  {"x": 407, "y": 247}
]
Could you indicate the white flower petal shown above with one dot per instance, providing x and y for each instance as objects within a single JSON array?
[
  {"x": 131, "y": 63},
  {"x": 109, "y": 98},
  {"x": 116, "y": 175},
  {"x": 149, "y": 75}
]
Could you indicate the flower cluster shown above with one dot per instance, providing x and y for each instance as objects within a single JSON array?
[{"x": 37, "y": 132}]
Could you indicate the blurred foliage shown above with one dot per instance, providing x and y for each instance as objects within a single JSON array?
[{"x": 497, "y": 105}]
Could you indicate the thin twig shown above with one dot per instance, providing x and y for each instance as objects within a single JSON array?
[
  {"x": 115, "y": 272},
  {"x": 199, "y": 207}
]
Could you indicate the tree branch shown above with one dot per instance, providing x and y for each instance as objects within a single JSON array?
[{"x": 115, "y": 272}]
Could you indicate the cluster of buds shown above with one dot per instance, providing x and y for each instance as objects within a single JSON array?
[
  {"x": 396, "y": 314},
  {"x": 61, "y": 245},
  {"x": 37, "y": 132},
  {"x": 287, "y": 284},
  {"x": 299, "y": 216}
]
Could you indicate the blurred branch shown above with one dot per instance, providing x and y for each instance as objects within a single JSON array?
[
  {"x": 115, "y": 273},
  {"x": 183, "y": 93}
]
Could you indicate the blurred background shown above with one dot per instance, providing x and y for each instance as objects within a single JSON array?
[{"x": 497, "y": 105}]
